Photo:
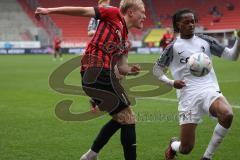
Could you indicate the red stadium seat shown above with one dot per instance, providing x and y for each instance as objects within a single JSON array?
[
  {"x": 75, "y": 28},
  {"x": 229, "y": 20}
]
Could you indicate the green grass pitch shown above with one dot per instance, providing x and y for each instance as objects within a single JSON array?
[{"x": 30, "y": 130}]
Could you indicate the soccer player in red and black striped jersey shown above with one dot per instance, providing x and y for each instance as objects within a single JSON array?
[
  {"x": 166, "y": 39},
  {"x": 57, "y": 47},
  {"x": 107, "y": 50}
]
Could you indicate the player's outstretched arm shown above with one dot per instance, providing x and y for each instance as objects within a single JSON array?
[
  {"x": 72, "y": 11},
  {"x": 232, "y": 53}
]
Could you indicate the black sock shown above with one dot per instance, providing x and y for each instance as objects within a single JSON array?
[
  {"x": 128, "y": 139},
  {"x": 105, "y": 134}
]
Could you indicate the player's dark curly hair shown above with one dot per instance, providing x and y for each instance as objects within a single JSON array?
[{"x": 178, "y": 15}]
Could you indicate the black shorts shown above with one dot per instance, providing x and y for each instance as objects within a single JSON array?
[{"x": 105, "y": 89}]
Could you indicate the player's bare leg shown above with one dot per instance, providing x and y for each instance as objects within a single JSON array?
[
  {"x": 187, "y": 138},
  {"x": 222, "y": 110},
  {"x": 60, "y": 56},
  {"x": 186, "y": 143},
  {"x": 54, "y": 56}
]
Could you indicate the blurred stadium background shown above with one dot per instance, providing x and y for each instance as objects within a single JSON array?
[
  {"x": 22, "y": 33},
  {"x": 29, "y": 128}
]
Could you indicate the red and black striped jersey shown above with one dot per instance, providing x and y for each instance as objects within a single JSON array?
[{"x": 110, "y": 40}]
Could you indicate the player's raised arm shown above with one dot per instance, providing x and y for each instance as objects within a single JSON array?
[
  {"x": 219, "y": 50},
  {"x": 72, "y": 11},
  {"x": 232, "y": 53}
]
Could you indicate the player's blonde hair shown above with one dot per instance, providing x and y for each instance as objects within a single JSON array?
[{"x": 126, "y": 4}]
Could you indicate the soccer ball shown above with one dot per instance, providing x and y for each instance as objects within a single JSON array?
[{"x": 199, "y": 64}]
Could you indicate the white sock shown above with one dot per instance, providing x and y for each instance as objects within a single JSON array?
[
  {"x": 90, "y": 153},
  {"x": 218, "y": 135},
  {"x": 176, "y": 145}
]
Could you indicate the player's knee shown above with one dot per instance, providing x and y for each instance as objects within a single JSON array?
[
  {"x": 227, "y": 117},
  {"x": 186, "y": 149},
  {"x": 125, "y": 117}
]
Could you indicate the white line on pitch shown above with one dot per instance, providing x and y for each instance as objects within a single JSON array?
[
  {"x": 172, "y": 100},
  {"x": 160, "y": 99},
  {"x": 229, "y": 81}
]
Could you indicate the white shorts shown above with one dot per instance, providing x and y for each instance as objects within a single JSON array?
[{"x": 195, "y": 106}]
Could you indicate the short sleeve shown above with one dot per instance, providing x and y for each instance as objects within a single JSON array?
[
  {"x": 106, "y": 12},
  {"x": 215, "y": 47},
  {"x": 166, "y": 57}
]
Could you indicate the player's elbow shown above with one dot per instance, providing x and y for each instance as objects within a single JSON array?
[
  {"x": 87, "y": 12},
  {"x": 231, "y": 54}
]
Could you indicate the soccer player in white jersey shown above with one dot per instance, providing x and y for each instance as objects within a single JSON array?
[{"x": 197, "y": 95}]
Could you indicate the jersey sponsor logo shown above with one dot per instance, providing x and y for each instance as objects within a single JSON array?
[
  {"x": 179, "y": 53},
  {"x": 184, "y": 60},
  {"x": 111, "y": 47}
]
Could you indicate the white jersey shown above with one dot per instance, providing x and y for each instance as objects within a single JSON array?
[{"x": 176, "y": 55}]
